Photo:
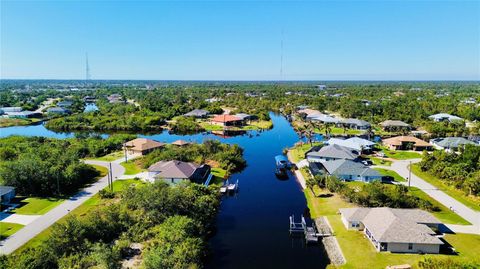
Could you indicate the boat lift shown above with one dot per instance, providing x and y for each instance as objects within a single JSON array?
[
  {"x": 310, "y": 233},
  {"x": 229, "y": 187}
]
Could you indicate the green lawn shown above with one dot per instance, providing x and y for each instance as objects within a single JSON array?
[
  {"x": 7, "y": 122},
  {"x": 110, "y": 157},
  {"x": 472, "y": 202},
  {"x": 219, "y": 175},
  {"x": 90, "y": 204},
  {"x": 37, "y": 205},
  {"x": 338, "y": 131},
  {"x": 324, "y": 203},
  {"x": 380, "y": 161},
  {"x": 391, "y": 173},
  {"x": 7, "y": 229},
  {"x": 253, "y": 125},
  {"x": 401, "y": 154},
  {"x": 131, "y": 167},
  {"x": 444, "y": 214},
  {"x": 297, "y": 153},
  {"x": 261, "y": 124}
]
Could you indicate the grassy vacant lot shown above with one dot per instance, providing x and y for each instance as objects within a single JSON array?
[
  {"x": 219, "y": 175},
  {"x": 380, "y": 161},
  {"x": 7, "y": 229},
  {"x": 297, "y": 153},
  {"x": 360, "y": 253},
  {"x": 132, "y": 167},
  {"x": 401, "y": 154},
  {"x": 391, "y": 173},
  {"x": 37, "y": 205},
  {"x": 7, "y": 122},
  {"x": 91, "y": 204},
  {"x": 339, "y": 131},
  {"x": 110, "y": 157},
  {"x": 253, "y": 125},
  {"x": 472, "y": 202}
]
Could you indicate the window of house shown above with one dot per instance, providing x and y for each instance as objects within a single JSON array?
[{"x": 410, "y": 246}]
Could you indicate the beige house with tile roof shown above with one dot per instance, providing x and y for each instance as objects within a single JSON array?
[
  {"x": 395, "y": 229},
  {"x": 142, "y": 146},
  {"x": 406, "y": 143}
]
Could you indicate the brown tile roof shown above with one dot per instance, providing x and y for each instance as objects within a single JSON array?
[
  {"x": 180, "y": 142},
  {"x": 225, "y": 118},
  {"x": 392, "y": 123},
  {"x": 141, "y": 144},
  {"x": 398, "y": 140}
]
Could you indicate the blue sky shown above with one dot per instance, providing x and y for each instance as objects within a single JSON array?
[{"x": 232, "y": 40}]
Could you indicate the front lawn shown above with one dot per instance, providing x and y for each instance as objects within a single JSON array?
[
  {"x": 339, "y": 131},
  {"x": 472, "y": 202},
  {"x": 380, "y": 161},
  {"x": 37, "y": 205},
  {"x": 324, "y": 203},
  {"x": 395, "y": 175},
  {"x": 7, "y": 229},
  {"x": 401, "y": 154},
  {"x": 131, "y": 167}
]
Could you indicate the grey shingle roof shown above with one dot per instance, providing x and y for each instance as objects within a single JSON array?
[
  {"x": 197, "y": 113},
  {"x": 348, "y": 167},
  {"x": 173, "y": 169},
  {"x": 5, "y": 189},
  {"x": 394, "y": 225},
  {"x": 441, "y": 116},
  {"x": 356, "y": 122},
  {"x": 451, "y": 142},
  {"x": 335, "y": 151},
  {"x": 394, "y": 123}
]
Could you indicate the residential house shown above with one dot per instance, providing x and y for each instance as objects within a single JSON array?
[
  {"x": 451, "y": 143},
  {"x": 181, "y": 143},
  {"x": 227, "y": 120},
  {"x": 331, "y": 153},
  {"x": 346, "y": 170},
  {"x": 355, "y": 124},
  {"x": 7, "y": 193},
  {"x": 142, "y": 146},
  {"x": 197, "y": 113},
  {"x": 115, "y": 98},
  {"x": 177, "y": 171},
  {"x": 395, "y": 229},
  {"x": 245, "y": 117},
  {"x": 444, "y": 117},
  {"x": 406, "y": 143},
  {"x": 58, "y": 110},
  {"x": 359, "y": 144},
  {"x": 11, "y": 109},
  {"x": 65, "y": 104},
  {"x": 395, "y": 125},
  {"x": 323, "y": 118}
]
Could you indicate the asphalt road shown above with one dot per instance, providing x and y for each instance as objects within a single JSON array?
[
  {"x": 22, "y": 236},
  {"x": 401, "y": 167}
]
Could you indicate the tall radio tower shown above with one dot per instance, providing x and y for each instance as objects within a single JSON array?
[{"x": 87, "y": 68}]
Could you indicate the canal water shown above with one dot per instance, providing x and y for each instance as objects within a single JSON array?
[{"x": 252, "y": 226}]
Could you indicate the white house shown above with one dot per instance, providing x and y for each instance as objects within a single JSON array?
[
  {"x": 332, "y": 152},
  {"x": 174, "y": 172},
  {"x": 444, "y": 117}
]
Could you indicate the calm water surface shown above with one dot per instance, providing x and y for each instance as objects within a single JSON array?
[{"x": 252, "y": 227}]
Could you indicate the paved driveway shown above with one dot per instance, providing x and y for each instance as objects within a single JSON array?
[
  {"x": 18, "y": 218},
  {"x": 401, "y": 167},
  {"x": 21, "y": 237}
]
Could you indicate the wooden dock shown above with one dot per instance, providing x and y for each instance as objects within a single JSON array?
[{"x": 310, "y": 233}]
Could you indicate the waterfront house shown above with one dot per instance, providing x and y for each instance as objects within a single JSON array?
[
  {"x": 406, "y": 143},
  {"x": 180, "y": 143},
  {"x": 227, "y": 120},
  {"x": 451, "y": 143},
  {"x": 8, "y": 109},
  {"x": 355, "y": 124},
  {"x": 444, "y": 117},
  {"x": 197, "y": 113},
  {"x": 174, "y": 172},
  {"x": 395, "y": 125},
  {"x": 359, "y": 144},
  {"x": 7, "y": 193},
  {"x": 65, "y": 103},
  {"x": 58, "y": 110},
  {"x": 395, "y": 229},
  {"x": 323, "y": 118},
  {"x": 115, "y": 98},
  {"x": 245, "y": 117},
  {"x": 142, "y": 146},
  {"x": 346, "y": 170},
  {"x": 331, "y": 153}
]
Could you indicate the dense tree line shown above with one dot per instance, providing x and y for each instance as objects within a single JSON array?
[
  {"x": 375, "y": 194},
  {"x": 229, "y": 157},
  {"x": 46, "y": 167},
  {"x": 185, "y": 125},
  {"x": 459, "y": 170},
  {"x": 171, "y": 223}
]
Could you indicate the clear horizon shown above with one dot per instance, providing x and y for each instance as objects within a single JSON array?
[{"x": 242, "y": 41}]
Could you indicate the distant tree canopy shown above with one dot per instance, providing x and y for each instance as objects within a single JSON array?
[
  {"x": 459, "y": 170},
  {"x": 46, "y": 167}
]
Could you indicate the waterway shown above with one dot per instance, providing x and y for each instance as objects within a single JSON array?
[{"x": 252, "y": 227}]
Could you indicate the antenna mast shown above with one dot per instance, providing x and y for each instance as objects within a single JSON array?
[{"x": 87, "y": 69}]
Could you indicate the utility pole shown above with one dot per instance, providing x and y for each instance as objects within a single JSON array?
[
  {"x": 125, "y": 150},
  {"x": 111, "y": 177},
  {"x": 409, "y": 173}
]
